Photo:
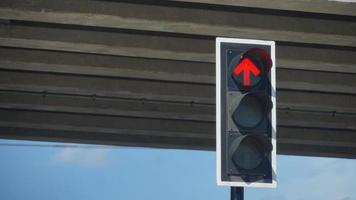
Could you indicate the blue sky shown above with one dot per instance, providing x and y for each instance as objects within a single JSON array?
[{"x": 109, "y": 173}]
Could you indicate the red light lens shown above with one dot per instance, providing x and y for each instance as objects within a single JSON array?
[{"x": 252, "y": 67}]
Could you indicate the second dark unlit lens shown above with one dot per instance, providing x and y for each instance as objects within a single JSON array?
[{"x": 250, "y": 112}]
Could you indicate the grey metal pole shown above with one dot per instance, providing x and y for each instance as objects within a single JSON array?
[{"x": 237, "y": 193}]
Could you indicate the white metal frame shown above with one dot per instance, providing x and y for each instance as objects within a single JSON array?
[{"x": 219, "y": 40}]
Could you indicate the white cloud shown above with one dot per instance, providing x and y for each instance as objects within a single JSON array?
[{"x": 93, "y": 157}]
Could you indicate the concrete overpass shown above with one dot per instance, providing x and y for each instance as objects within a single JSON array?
[{"x": 142, "y": 72}]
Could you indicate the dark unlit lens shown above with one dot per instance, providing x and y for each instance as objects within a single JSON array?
[
  {"x": 249, "y": 113},
  {"x": 249, "y": 154}
]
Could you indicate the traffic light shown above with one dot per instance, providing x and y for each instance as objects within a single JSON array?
[{"x": 246, "y": 112}]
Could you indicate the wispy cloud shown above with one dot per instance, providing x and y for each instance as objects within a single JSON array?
[
  {"x": 330, "y": 179},
  {"x": 315, "y": 178},
  {"x": 92, "y": 157}
]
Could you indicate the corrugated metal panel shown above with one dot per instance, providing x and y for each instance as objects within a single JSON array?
[{"x": 142, "y": 73}]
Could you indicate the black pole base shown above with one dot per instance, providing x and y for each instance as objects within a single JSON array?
[{"x": 237, "y": 193}]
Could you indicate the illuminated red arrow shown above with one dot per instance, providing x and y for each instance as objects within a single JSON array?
[{"x": 246, "y": 66}]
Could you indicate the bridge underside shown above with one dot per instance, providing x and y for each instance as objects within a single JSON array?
[{"x": 142, "y": 73}]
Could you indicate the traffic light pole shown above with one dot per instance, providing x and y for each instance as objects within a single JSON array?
[{"x": 237, "y": 193}]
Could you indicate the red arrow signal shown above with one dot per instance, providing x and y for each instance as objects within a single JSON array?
[{"x": 246, "y": 66}]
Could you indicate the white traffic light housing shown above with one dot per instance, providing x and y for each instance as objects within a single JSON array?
[{"x": 246, "y": 112}]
